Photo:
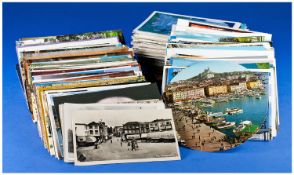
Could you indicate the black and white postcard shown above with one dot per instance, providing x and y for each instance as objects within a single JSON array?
[
  {"x": 68, "y": 109},
  {"x": 120, "y": 136}
]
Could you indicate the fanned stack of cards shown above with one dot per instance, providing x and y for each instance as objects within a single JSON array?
[
  {"x": 221, "y": 85},
  {"x": 151, "y": 36},
  {"x": 91, "y": 102}
]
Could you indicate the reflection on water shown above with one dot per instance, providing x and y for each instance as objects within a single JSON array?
[{"x": 255, "y": 110}]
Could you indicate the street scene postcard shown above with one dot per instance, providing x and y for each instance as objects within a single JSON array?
[{"x": 111, "y": 136}]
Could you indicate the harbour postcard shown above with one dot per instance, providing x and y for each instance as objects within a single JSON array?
[{"x": 219, "y": 105}]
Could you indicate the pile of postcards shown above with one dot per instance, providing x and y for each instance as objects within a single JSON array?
[
  {"x": 91, "y": 102},
  {"x": 220, "y": 81},
  {"x": 93, "y": 105},
  {"x": 151, "y": 36}
]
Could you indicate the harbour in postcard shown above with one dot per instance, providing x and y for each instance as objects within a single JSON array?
[
  {"x": 254, "y": 109},
  {"x": 218, "y": 106}
]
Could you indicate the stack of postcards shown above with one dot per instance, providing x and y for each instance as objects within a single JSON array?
[
  {"x": 91, "y": 102},
  {"x": 221, "y": 84},
  {"x": 151, "y": 36}
]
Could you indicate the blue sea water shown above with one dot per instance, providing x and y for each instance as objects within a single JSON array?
[{"x": 254, "y": 109}]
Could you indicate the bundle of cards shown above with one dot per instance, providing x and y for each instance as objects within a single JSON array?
[
  {"x": 221, "y": 84},
  {"x": 151, "y": 36},
  {"x": 97, "y": 72}
]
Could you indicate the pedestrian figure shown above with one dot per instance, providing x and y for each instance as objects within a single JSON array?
[
  {"x": 111, "y": 141},
  {"x": 82, "y": 157},
  {"x": 136, "y": 144},
  {"x": 133, "y": 145},
  {"x": 222, "y": 147},
  {"x": 129, "y": 144},
  {"x": 222, "y": 144},
  {"x": 96, "y": 145}
]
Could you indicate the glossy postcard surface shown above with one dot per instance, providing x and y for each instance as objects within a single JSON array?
[
  {"x": 219, "y": 105},
  {"x": 161, "y": 22}
]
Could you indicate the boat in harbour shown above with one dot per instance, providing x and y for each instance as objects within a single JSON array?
[
  {"x": 205, "y": 105},
  {"x": 241, "y": 126},
  {"x": 246, "y": 126},
  {"x": 215, "y": 114},
  {"x": 258, "y": 97},
  {"x": 231, "y": 111},
  {"x": 225, "y": 125}
]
